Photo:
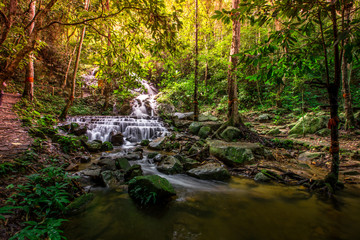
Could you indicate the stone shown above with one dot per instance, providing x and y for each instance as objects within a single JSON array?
[
  {"x": 188, "y": 163},
  {"x": 117, "y": 139},
  {"x": 133, "y": 156},
  {"x": 195, "y": 127},
  {"x": 261, "y": 177},
  {"x": 132, "y": 172},
  {"x": 183, "y": 116},
  {"x": 170, "y": 165},
  {"x": 158, "y": 158},
  {"x": 107, "y": 146},
  {"x": 310, "y": 156},
  {"x": 157, "y": 143},
  {"x": 204, "y": 131},
  {"x": 79, "y": 204},
  {"x": 264, "y": 117},
  {"x": 83, "y": 159},
  {"x": 210, "y": 171},
  {"x": 122, "y": 163},
  {"x": 325, "y": 132},
  {"x": 205, "y": 118},
  {"x": 93, "y": 146},
  {"x": 274, "y": 132},
  {"x": 237, "y": 153},
  {"x": 231, "y": 134},
  {"x": 150, "y": 190},
  {"x": 309, "y": 124},
  {"x": 77, "y": 129},
  {"x": 125, "y": 109},
  {"x": 144, "y": 142},
  {"x": 108, "y": 178},
  {"x": 152, "y": 155},
  {"x": 107, "y": 164}
]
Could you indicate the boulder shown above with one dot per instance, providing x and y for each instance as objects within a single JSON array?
[
  {"x": 83, "y": 159},
  {"x": 107, "y": 146},
  {"x": 78, "y": 130},
  {"x": 122, "y": 163},
  {"x": 157, "y": 143},
  {"x": 204, "y": 131},
  {"x": 170, "y": 165},
  {"x": 132, "y": 172},
  {"x": 117, "y": 139},
  {"x": 107, "y": 164},
  {"x": 93, "y": 146},
  {"x": 210, "y": 171},
  {"x": 125, "y": 109},
  {"x": 236, "y": 153},
  {"x": 133, "y": 156},
  {"x": 152, "y": 155},
  {"x": 264, "y": 117},
  {"x": 183, "y": 116},
  {"x": 207, "y": 117},
  {"x": 195, "y": 127},
  {"x": 150, "y": 190},
  {"x": 231, "y": 134},
  {"x": 261, "y": 177},
  {"x": 188, "y": 163},
  {"x": 309, "y": 124},
  {"x": 79, "y": 204},
  {"x": 310, "y": 156},
  {"x": 145, "y": 142}
]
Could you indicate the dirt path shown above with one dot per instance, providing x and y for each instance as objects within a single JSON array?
[{"x": 14, "y": 139}]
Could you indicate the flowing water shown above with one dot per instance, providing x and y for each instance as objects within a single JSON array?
[{"x": 206, "y": 210}]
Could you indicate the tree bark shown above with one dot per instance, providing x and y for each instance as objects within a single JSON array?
[
  {"x": 108, "y": 83},
  {"x": 68, "y": 69},
  {"x": 233, "y": 111},
  {"x": 72, "y": 93},
  {"x": 196, "y": 104},
  {"x": 8, "y": 20},
  {"x": 29, "y": 76}
]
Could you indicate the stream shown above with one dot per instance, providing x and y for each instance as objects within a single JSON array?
[{"x": 205, "y": 210}]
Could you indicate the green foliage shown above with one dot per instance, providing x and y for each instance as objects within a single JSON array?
[
  {"x": 288, "y": 144},
  {"x": 6, "y": 168},
  {"x": 68, "y": 143},
  {"x": 144, "y": 197}
]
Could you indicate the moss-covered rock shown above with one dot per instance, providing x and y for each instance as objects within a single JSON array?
[
  {"x": 93, "y": 146},
  {"x": 107, "y": 146},
  {"x": 150, "y": 190},
  {"x": 144, "y": 142},
  {"x": 122, "y": 163},
  {"x": 187, "y": 163},
  {"x": 132, "y": 172},
  {"x": 157, "y": 144},
  {"x": 235, "y": 153},
  {"x": 261, "y": 177},
  {"x": 152, "y": 155},
  {"x": 204, "y": 131},
  {"x": 195, "y": 127},
  {"x": 210, "y": 171},
  {"x": 170, "y": 165},
  {"x": 79, "y": 204},
  {"x": 231, "y": 134},
  {"x": 309, "y": 124}
]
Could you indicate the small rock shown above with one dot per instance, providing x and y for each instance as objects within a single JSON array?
[
  {"x": 231, "y": 134},
  {"x": 264, "y": 117},
  {"x": 170, "y": 165},
  {"x": 210, "y": 171},
  {"x": 260, "y": 177},
  {"x": 204, "y": 132},
  {"x": 122, "y": 163},
  {"x": 195, "y": 127},
  {"x": 309, "y": 156},
  {"x": 132, "y": 172},
  {"x": 157, "y": 143}
]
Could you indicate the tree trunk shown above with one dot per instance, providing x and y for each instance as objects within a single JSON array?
[
  {"x": 8, "y": 20},
  {"x": 233, "y": 111},
  {"x": 72, "y": 93},
  {"x": 196, "y": 104},
  {"x": 68, "y": 69},
  {"x": 108, "y": 83},
  {"x": 333, "y": 91},
  {"x": 29, "y": 76}
]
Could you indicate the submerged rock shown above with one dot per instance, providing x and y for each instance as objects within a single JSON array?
[
  {"x": 235, "y": 153},
  {"x": 210, "y": 171},
  {"x": 150, "y": 190},
  {"x": 170, "y": 165},
  {"x": 231, "y": 134}
]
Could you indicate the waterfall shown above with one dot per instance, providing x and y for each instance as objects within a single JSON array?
[{"x": 140, "y": 124}]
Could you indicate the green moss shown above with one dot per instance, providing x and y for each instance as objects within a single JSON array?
[
  {"x": 107, "y": 146},
  {"x": 79, "y": 203}
]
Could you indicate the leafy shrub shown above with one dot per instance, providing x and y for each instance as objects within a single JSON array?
[{"x": 68, "y": 143}]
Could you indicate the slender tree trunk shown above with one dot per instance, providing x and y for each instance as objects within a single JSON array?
[
  {"x": 196, "y": 104},
  {"x": 68, "y": 68},
  {"x": 233, "y": 111},
  {"x": 346, "y": 72},
  {"x": 29, "y": 76},
  {"x": 72, "y": 93},
  {"x": 8, "y": 20},
  {"x": 108, "y": 83},
  {"x": 333, "y": 91}
]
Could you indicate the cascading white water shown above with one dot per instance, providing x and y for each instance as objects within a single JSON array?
[{"x": 140, "y": 124}]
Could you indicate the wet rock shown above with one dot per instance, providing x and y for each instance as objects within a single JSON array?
[
  {"x": 144, "y": 142},
  {"x": 207, "y": 117},
  {"x": 210, "y": 171},
  {"x": 77, "y": 129},
  {"x": 107, "y": 146},
  {"x": 122, "y": 163},
  {"x": 204, "y": 132},
  {"x": 195, "y": 127},
  {"x": 170, "y": 165},
  {"x": 157, "y": 143},
  {"x": 310, "y": 156},
  {"x": 158, "y": 158},
  {"x": 310, "y": 124},
  {"x": 183, "y": 116},
  {"x": 264, "y": 117},
  {"x": 152, "y": 155},
  {"x": 117, "y": 139},
  {"x": 107, "y": 164},
  {"x": 132, "y": 172},
  {"x": 231, "y": 134},
  {"x": 93, "y": 146},
  {"x": 235, "y": 153},
  {"x": 134, "y": 156},
  {"x": 83, "y": 159},
  {"x": 188, "y": 163},
  {"x": 150, "y": 190},
  {"x": 261, "y": 177}
]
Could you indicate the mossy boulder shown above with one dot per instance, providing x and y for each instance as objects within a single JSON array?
[
  {"x": 204, "y": 131},
  {"x": 264, "y": 117},
  {"x": 231, "y": 134},
  {"x": 107, "y": 146},
  {"x": 170, "y": 165},
  {"x": 79, "y": 204},
  {"x": 210, "y": 171},
  {"x": 237, "y": 153},
  {"x": 150, "y": 190},
  {"x": 152, "y": 155},
  {"x": 309, "y": 124},
  {"x": 117, "y": 139},
  {"x": 207, "y": 117},
  {"x": 261, "y": 177},
  {"x": 132, "y": 172},
  {"x": 187, "y": 163},
  {"x": 77, "y": 129},
  {"x": 145, "y": 142},
  {"x": 93, "y": 146},
  {"x": 122, "y": 163},
  {"x": 194, "y": 127},
  {"x": 157, "y": 144}
]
